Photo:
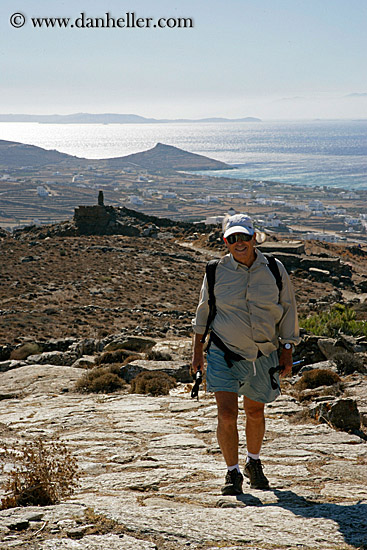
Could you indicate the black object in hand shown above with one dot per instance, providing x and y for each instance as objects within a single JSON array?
[{"x": 198, "y": 378}]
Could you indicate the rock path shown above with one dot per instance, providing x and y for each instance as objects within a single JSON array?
[{"x": 152, "y": 465}]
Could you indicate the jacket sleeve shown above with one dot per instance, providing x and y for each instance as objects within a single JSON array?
[
  {"x": 288, "y": 325},
  {"x": 202, "y": 311}
]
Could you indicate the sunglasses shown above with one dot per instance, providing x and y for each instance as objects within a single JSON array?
[{"x": 231, "y": 239}]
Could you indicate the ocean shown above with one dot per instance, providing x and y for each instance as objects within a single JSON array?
[{"x": 310, "y": 153}]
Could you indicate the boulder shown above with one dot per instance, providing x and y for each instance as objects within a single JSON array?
[
  {"x": 52, "y": 358},
  {"x": 58, "y": 344},
  {"x": 329, "y": 347},
  {"x": 24, "y": 350},
  {"x": 179, "y": 370},
  {"x": 132, "y": 343},
  {"x": 308, "y": 350},
  {"x": 87, "y": 346},
  {"x": 352, "y": 344},
  {"x": 85, "y": 361},
  {"x": 342, "y": 414}
]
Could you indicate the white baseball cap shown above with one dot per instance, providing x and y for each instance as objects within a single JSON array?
[{"x": 238, "y": 223}]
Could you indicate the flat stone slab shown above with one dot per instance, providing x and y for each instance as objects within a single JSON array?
[{"x": 39, "y": 379}]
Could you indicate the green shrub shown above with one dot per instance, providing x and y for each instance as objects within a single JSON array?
[
  {"x": 42, "y": 474},
  {"x": 347, "y": 363},
  {"x": 315, "y": 378},
  {"x": 155, "y": 383},
  {"x": 339, "y": 319},
  {"x": 100, "y": 380}
]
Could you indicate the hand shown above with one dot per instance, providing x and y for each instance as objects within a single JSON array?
[
  {"x": 286, "y": 362},
  {"x": 197, "y": 355},
  {"x": 197, "y": 361}
]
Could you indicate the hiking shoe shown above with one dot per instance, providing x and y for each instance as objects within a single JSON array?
[
  {"x": 254, "y": 471},
  {"x": 233, "y": 483}
]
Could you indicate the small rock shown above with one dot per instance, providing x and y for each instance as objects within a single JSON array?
[
  {"x": 78, "y": 532},
  {"x": 86, "y": 361},
  {"x": 17, "y": 524}
]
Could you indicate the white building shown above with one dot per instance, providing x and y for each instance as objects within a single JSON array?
[
  {"x": 349, "y": 195},
  {"x": 137, "y": 201},
  {"x": 352, "y": 221},
  {"x": 316, "y": 205},
  {"x": 324, "y": 237},
  {"x": 214, "y": 220},
  {"x": 42, "y": 192}
]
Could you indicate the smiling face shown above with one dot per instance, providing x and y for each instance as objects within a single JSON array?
[{"x": 243, "y": 251}]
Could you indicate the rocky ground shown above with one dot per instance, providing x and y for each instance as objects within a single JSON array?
[
  {"x": 89, "y": 286},
  {"x": 151, "y": 470},
  {"x": 93, "y": 286},
  {"x": 150, "y": 467}
]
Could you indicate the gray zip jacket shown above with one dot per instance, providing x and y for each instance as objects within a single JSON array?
[{"x": 251, "y": 313}]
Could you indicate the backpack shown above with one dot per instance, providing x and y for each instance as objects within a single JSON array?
[{"x": 210, "y": 277}]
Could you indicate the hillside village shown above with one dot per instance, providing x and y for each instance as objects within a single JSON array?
[{"x": 164, "y": 182}]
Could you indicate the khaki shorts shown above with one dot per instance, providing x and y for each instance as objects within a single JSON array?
[{"x": 249, "y": 378}]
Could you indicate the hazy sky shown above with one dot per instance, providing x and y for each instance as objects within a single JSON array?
[{"x": 264, "y": 58}]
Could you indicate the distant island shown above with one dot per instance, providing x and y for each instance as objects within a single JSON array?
[{"x": 111, "y": 118}]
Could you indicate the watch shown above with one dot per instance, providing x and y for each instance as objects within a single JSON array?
[{"x": 287, "y": 346}]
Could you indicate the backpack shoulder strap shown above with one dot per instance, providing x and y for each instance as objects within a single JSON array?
[
  {"x": 273, "y": 266},
  {"x": 210, "y": 278}
]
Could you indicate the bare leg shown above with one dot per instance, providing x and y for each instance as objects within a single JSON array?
[
  {"x": 227, "y": 433},
  {"x": 255, "y": 424}
]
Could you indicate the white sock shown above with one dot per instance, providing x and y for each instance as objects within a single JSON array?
[
  {"x": 235, "y": 467},
  {"x": 252, "y": 455}
]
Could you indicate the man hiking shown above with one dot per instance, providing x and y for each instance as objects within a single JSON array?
[{"x": 254, "y": 314}]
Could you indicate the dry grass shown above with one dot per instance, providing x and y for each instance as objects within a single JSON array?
[
  {"x": 317, "y": 377},
  {"x": 118, "y": 356},
  {"x": 154, "y": 383},
  {"x": 41, "y": 474},
  {"x": 153, "y": 355},
  {"x": 100, "y": 380}
]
